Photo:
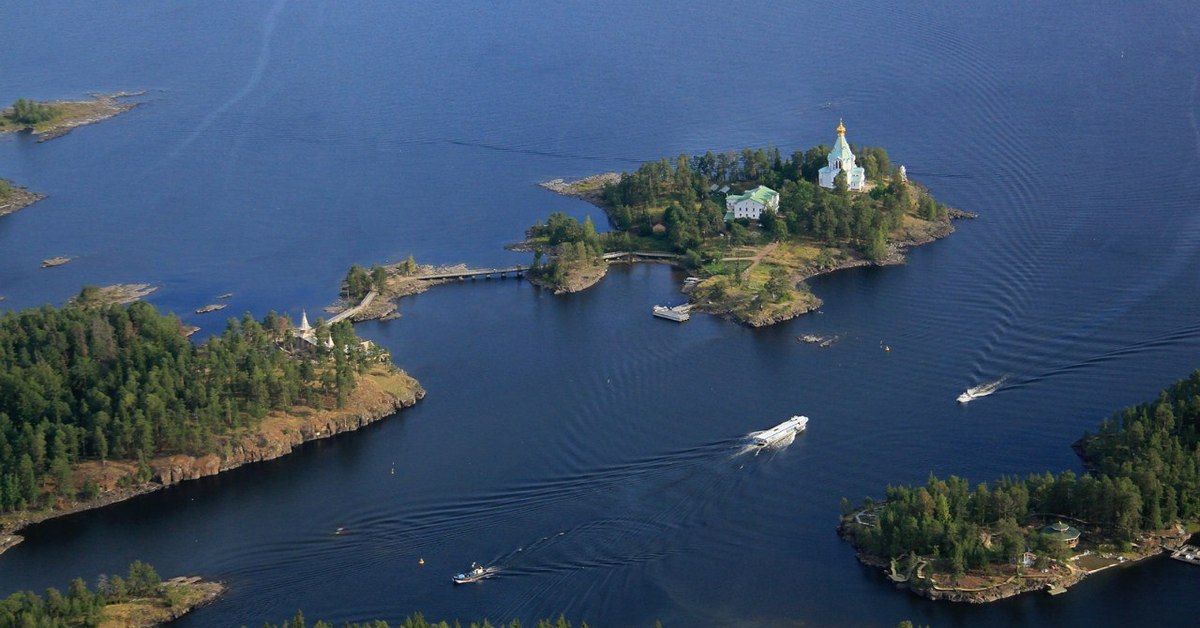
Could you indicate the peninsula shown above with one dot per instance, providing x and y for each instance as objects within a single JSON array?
[
  {"x": 1045, "y": 532},
  {"x": 101, "y": 402},
  {"x": 751, "y": 225}
]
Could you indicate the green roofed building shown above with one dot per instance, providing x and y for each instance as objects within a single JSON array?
[
  {"x": 752, "y": 203},
  {"x": 1060, "y": 531}
]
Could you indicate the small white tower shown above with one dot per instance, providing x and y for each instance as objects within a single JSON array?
[
  {"x": 903, "y": 174},
  {"x": 304, "y": 326}
]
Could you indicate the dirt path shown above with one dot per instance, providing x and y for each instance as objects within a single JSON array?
[{"x": 756, "y": 258}]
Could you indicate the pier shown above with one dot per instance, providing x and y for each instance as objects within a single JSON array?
[{"x": 1187, "y": 553}]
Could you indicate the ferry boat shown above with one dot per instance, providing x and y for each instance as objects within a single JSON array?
[
  {"x": 788, "y": 428},
  {"x": 981, "y": 390},
  {"x": 678, "y": 313},
  {"x": 475, "y": 574}
]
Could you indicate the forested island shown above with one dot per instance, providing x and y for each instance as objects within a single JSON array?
[
  {"x": 752, "y": 270},
  {"x": 100, "y": 402},
  {"x": 1141, "y": 495},
  {"x": 139, "y": 599}
]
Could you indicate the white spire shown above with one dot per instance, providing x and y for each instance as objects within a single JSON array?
[{"x": 304, "y": 326}]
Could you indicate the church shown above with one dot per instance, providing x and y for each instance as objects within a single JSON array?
[{"x": 842, "y": 160}]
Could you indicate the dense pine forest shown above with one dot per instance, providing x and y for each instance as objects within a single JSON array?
[
  {"x": 1145, "y": 475},
  {"x": 676, "y": 194},
  {"x": 105, "y": 382}
]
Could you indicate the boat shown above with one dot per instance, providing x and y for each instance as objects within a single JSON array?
[
  {"x": 785, "y": 430},
  {"x": 678, "y": 313},
  {"x": 981, "y": 390},
  {"x": 475, "y": 573}
]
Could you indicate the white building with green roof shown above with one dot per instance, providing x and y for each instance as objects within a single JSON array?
[
  {"x": 841, "y": 159},
  {"x": 752, "y": 203}
]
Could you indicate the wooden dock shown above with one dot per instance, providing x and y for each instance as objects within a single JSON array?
[{"x": 1187, "y": 553}]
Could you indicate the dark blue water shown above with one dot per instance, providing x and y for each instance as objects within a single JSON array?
[{"x": 587, "y": 448}]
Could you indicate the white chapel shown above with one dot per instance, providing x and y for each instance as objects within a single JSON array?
[{"x": 842, "y": 160}]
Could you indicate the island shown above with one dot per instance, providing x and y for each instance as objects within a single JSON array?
[
  {"x": 752, "y": 226},
  {"x": 1044, "y": 532},
  {"x": 140, "y": 599},
  {"x": 118, "y": 293},
  {"x": 51, "y": 119},
  {"x": 100, "y": 402}
]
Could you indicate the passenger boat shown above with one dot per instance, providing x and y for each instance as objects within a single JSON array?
[
  {"x": 784, "y": 430},
  {"x": 475, "y": 574},
  {"x": 981, "y": 390}
]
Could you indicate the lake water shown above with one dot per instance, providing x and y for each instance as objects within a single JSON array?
[{"x": 582, "y": 445}]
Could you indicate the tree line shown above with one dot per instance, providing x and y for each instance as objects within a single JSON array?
[
  {"x": 1145, "y": 475},
  {"x": 98, "y": 382},
  {"x": 80, "y": 606},
  {"x": 29, "y": 112}
]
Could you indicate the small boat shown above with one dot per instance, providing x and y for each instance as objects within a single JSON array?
[
  {"x": 981, "y": 390},
  {"x": 678, "y": 313},
  {"x": 475, "y": 574},
  {"x": 780, "y": 432}
]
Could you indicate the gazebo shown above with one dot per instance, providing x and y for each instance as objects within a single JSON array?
[{"x": 1060, "y": 531}]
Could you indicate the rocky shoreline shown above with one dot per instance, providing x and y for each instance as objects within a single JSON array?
[
  {"x": 382, "y": 393},
  {"x": 16, "y": 198},
  {"x": 925, "y": 585}
]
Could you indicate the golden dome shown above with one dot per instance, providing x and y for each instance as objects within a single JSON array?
[{"x": 841, "y": 128}]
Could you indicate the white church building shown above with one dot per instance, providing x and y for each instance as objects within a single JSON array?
[{"x": 842, "y": 160}]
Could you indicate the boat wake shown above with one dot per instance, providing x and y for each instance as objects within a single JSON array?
[{"x": 982, "y": 390}]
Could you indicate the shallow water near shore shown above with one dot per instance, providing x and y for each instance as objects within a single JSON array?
[{"x": 585, "y": 447}]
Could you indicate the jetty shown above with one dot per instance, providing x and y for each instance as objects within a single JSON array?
[{"x": 1187, "y": 553}]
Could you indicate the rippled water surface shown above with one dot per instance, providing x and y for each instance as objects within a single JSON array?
[{"x": 591, "y": 451}]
